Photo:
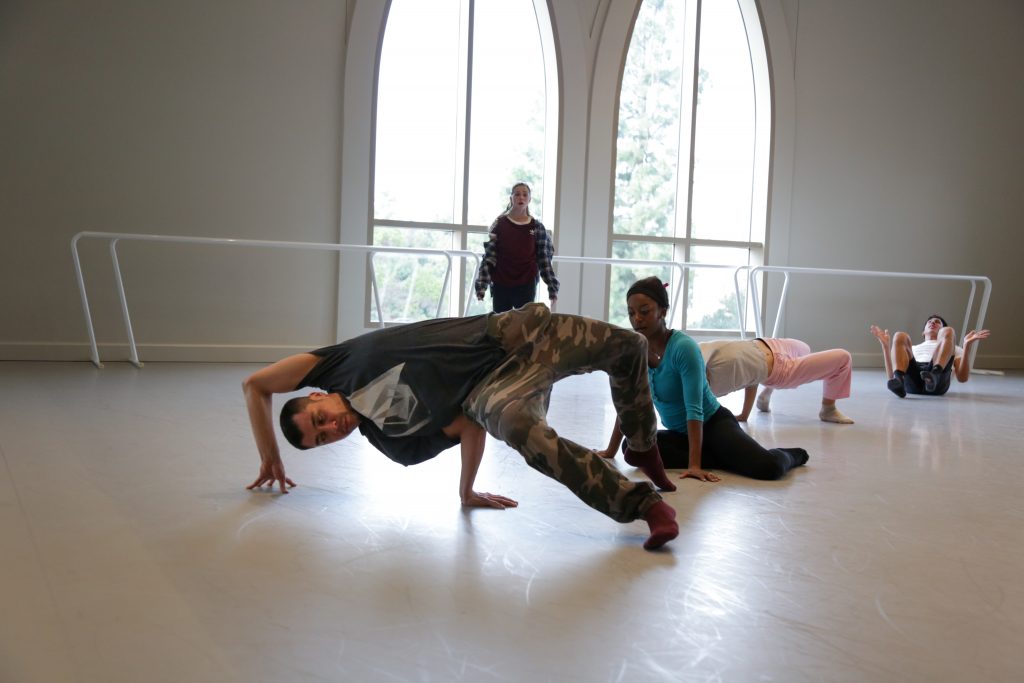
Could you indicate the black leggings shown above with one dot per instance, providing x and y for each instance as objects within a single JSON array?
[{"x": 727, "y": 447}]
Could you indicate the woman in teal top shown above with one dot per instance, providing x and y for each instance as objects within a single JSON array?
[{"x": 700, "y": 434}]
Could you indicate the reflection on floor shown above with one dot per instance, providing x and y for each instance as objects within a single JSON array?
[{"x": 132, "y": 552}]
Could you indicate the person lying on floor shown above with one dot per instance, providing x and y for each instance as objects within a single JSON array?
[{"x": 928, "y": 367}]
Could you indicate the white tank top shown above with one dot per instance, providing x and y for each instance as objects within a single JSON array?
[{"x": 924, "y": 351}]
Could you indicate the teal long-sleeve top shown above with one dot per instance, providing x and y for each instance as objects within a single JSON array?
[{"x": 679, "y": 386}]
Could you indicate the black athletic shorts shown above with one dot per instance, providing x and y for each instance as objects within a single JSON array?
[{"x": 913, "y": 383}]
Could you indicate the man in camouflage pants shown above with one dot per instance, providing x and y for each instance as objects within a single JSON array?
[
  {"x": 418, "y": 389},
  {"x": 511, "y": 401}
]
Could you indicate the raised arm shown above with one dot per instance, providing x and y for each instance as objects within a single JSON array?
[
  {"x": 886, "y": 341},
  {"x": 472, "y": 438},
  {"x": 259, "y": 388},
  {"x": 962, "y": 365}
]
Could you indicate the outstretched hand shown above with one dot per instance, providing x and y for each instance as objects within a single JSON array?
[
  {"x": 702, "y": 475},
  {"x": 881, "y": 335},
  {"x": 975, "y": 335},
  {"x": 272, "y": 473},
  {"x": 488, "y": 500}
]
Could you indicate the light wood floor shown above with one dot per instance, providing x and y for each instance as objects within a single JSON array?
[{"x": 132, "y": 552}]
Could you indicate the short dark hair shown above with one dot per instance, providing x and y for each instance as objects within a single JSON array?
[
  {"x": 650, "y": 286},
  {"x": 936, "y": 315},
  {"x": 291, "y": 431}
]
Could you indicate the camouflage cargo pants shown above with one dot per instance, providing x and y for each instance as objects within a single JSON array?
[{"x": 511, "y": 401}]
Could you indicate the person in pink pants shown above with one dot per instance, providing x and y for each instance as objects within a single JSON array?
[{"x": 777, "y": 364}]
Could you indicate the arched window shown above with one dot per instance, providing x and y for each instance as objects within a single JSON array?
[
  {"x": 692, "y": 153},
  {"x": 466, "y": 107}
]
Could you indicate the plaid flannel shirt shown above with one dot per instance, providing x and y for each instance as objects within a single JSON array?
[{"x": 545, "y": 252}]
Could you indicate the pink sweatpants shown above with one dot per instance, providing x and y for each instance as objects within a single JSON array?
[{"x": 796, "y": 365}]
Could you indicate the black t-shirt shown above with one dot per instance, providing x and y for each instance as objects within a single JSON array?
[{"x": 408, "y": 382}]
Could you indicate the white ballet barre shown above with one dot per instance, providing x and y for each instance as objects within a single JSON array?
[
  {"x": 612, "y": 262},
  {"x": 449, "y": 253},
  {"x": 175, "y": 239},
  {"x": 679, "y": 266},
  {"x": 787, "y": 270}
]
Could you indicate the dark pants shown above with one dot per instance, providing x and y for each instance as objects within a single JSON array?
[
  {"x": 506, "y": 298},
  {"x": 727, "y": 447},
  {"x": 913, "y": 383}
]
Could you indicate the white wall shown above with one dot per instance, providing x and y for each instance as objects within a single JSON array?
[
  {"x": 906, "y": 157},
  {"x": 896, "y": 148},
  {"x": 187, "y": 117}
]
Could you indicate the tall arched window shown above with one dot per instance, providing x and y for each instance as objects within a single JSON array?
[
  {"x": 466, "y": 107},
  {"x": 692, "y": 153}
]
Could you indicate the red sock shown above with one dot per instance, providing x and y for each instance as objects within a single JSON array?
[
  {"x": 649, "y": 462},
  {"x": 661, "y": 518}
]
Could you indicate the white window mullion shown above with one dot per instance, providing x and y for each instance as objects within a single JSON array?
[
  {"x": 463, "y": 113},
  {"x": 687, "y": 138},
  {"x": 463, "y": 124},
  {"x": 547, "y": 43},
  {"x": 688, "y": 94}
]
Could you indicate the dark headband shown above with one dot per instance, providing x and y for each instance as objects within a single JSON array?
[{"x": 651, "y": 287}]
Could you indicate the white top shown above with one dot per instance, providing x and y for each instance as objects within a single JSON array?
[
  {"x": 925, "y": 351},
  {"x": 733, "y": 364}
]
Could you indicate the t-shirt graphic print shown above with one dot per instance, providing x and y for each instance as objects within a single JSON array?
[{"x": 391, "y": 404}]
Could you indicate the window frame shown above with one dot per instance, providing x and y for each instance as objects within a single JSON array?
[
  {"x": 682, "y": 246},
  {"x": 462, "y": 230}
]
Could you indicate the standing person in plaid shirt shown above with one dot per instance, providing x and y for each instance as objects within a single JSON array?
[{"x": 517, "y": 254}]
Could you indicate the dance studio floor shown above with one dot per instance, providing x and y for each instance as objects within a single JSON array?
[{"x": 131, "y": 550}]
